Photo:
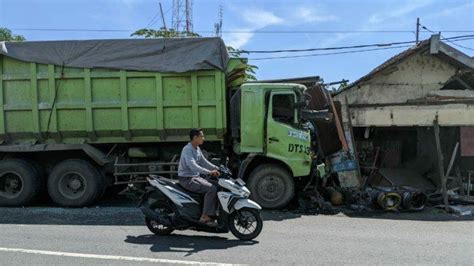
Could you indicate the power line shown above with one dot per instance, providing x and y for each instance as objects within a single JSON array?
[
  {"x": 326, "y": 48},
  {"x": 459, "y": 40},
  {"x": 450, "y": 39},
  {"x": 458, "y": 45},
  {"x": 321, "y": 31},
  {"x": 460, "y": 37},
  {"x": 163, "y": 17},
  {"x": 241, "y": 31},
  {"x": 334, "y": 53},
  {"x": 447, "y": 39},
  {"x": 347, "y": 47},
  {"x": 154, "y": 19},
  {"x": 76, "y": 30}
]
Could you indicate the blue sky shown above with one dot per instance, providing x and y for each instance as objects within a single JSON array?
[{"x": 242, "y": 18}]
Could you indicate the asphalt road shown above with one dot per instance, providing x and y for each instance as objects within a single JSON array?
[{"x": 117, "y": 236}]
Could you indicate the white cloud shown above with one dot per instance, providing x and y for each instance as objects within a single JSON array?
[
  {"x": 261, "y": 18},
  {"x": 255, "y": 19},
  {"x": 451, "y": 11},
  {"x": 237, "y": 40},
  {"x": 305, "y": 14},
  {"x": 389, "y": 19},
  {"x": 392, "y": 13}
]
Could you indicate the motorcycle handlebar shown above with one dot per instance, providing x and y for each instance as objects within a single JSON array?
[{"x": 224, "y": 172}]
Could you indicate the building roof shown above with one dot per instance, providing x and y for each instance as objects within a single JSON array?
[{"x": 435, "y": 47}]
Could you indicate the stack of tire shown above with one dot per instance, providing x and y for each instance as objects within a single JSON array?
[{"x": 393, "y": 199}]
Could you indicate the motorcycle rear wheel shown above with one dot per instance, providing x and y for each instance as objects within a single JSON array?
[
  {"x": 246, "y": 223},
  {"x": 157, "y": 228}
]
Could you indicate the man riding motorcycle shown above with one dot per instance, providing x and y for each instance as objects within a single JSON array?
[{"x": 192, "y": 163}]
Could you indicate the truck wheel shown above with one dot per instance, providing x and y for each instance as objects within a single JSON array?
[
  {"x": 19, "y": 182},
  {"x": 271, "y": 186},
  {"x": 75, "y": 183}
]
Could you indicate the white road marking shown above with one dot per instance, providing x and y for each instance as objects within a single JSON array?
[{"x": 106, "y": 257}]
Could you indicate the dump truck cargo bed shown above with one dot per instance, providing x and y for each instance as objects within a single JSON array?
[{"x": 46, "y": 103}]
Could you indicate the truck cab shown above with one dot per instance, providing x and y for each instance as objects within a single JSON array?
[{"x": 271, "y": 140}]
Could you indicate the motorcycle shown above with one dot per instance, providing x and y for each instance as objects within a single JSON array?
[{"x": 168, "y": 206}]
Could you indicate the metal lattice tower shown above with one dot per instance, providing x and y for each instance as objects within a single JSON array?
[{"x": 183, "y": 16}]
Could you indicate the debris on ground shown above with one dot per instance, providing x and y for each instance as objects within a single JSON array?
[
  {"x": 405, "y": 177},
  {"x": 463, "y": 210}
]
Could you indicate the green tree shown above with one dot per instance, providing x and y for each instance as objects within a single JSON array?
[
  {"x": 162, "y": 33},
  {"x": 7, "y": 35},
  {"x": 171, "y": 33},
  {"x": 250, "y": 70}
]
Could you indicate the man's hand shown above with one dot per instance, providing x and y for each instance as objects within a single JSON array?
[{"x": 214, "y": 173}]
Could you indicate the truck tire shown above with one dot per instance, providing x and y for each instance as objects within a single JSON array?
[
  {"x": 75, "y": 183},
  {"x": 271, "y": 186},
  {"x": 19, "y": 182}
]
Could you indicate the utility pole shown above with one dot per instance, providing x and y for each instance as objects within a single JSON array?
[
  {"x": 163, "y": 18},
  {"x": 218, "y": 25},
  {"x": 417, "y": 30}
]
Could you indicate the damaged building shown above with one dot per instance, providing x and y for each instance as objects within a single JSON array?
[{"x": 393, "y": 112}]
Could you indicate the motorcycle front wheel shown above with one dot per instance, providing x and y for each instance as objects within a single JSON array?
[
  {"x": 246, "y": 223},
  {"x": 157, "y": 228}
]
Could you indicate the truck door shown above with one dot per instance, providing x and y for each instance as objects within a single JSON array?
[{"x": 285, "y": 141}]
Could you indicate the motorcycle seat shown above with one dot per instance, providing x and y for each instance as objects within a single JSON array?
[
  {"x": 175, "y": 184},
  {"x": 196, "y": 196}
]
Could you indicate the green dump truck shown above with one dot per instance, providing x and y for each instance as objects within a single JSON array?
[{"x": 79, "y": 116}]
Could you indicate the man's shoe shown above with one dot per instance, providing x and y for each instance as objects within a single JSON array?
[{"x": 209, "y": 223}]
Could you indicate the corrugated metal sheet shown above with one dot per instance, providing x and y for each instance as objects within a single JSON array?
[{"x": 327, "y": 132}]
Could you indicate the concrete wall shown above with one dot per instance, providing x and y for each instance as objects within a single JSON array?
[{"x": 414, "y": 115}]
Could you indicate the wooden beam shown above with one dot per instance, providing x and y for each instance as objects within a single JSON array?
[
  {"x": 356, "y": 153},
  {"x": 440, "y": 164},
  {"x": 340, "y": 131},
  {"x": 464, "y": 84},
  {"x": 453, "y": 156}
]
